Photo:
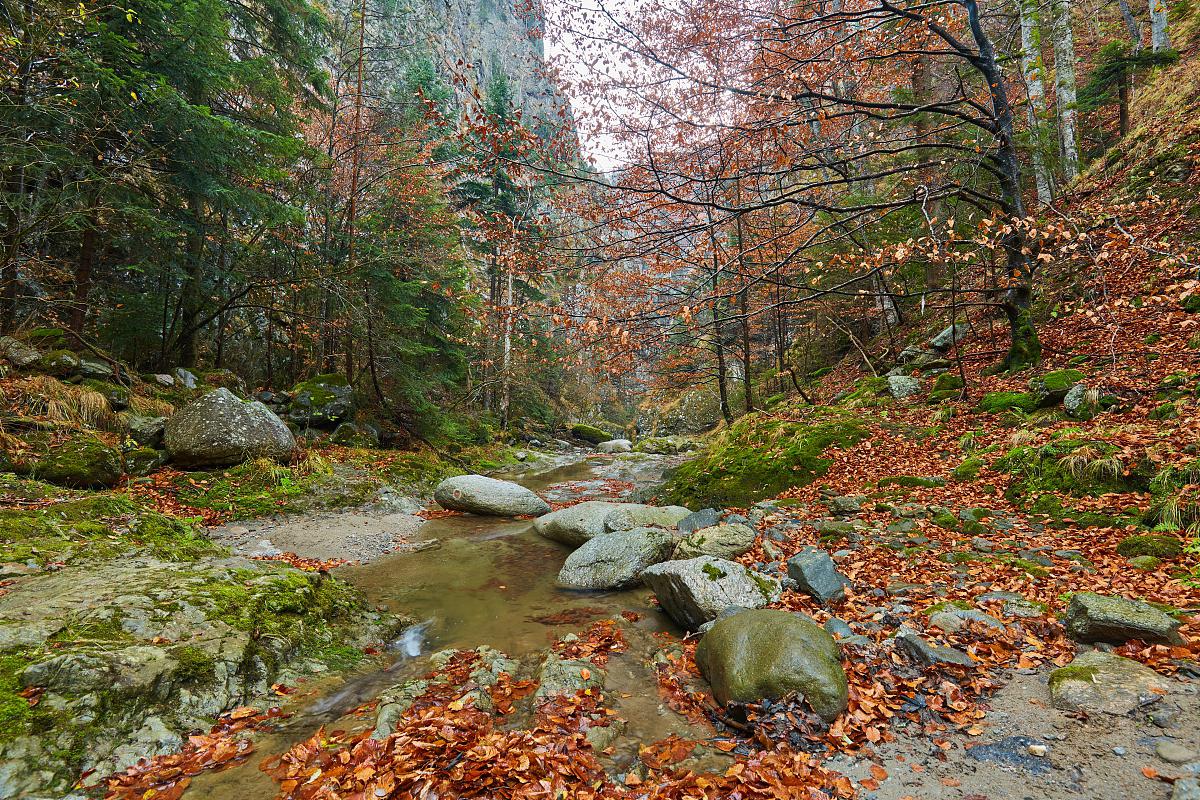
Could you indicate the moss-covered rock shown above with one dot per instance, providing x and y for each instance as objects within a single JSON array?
[
  {"x": 947, "y": 382},
  {"x": 227, "y": 379},
  {"x": 866, "y": 391},
  {"x": 759, "y": 457},
  {"x": 82, "y": 461},
  {"x": 141, "y": 461},
  {"x": 968, "y": 469},
  {"x": 590, "y": 433},
  {"x": 321, "y": 402},
  {"x": 117, "y": 396},
  {"x": 59, "y": 363},
  {"x": 1079, "y": 467},
  {"x": 995, "y": 402},
  {"x": 766, "y": 654},
  {"x": 911, "y": 481},
  {"x": 349, "y": 434},
  {"x": 1150, "y": 545},
  {"x": 1145, "y": 563},
  {"x": 1053, "y": 386},
  {"x": 220, "y": 429}
]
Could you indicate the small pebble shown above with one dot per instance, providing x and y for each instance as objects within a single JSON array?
[
  {"x": 1038, "y": 750},
  {"x": 1120, "y": 751}
]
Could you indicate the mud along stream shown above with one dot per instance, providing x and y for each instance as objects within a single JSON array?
[{"x": 466, "y": 581}]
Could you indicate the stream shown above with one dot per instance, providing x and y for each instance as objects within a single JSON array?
[{"x": 487, "y": 581}]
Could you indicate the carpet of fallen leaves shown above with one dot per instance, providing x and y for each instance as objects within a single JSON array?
[{"x": 167, "y": 777}]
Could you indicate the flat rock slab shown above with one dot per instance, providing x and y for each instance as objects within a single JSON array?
[
  {"x": 721, "y": 541},
  {"x": 479, "y": 494},
  {"x": 1098, "y": 682},
  {"x": 1092, "y": 617}
]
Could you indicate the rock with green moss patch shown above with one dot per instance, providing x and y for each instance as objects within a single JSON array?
[
  {"x": 1098, "y": 682},
  {"x": 220, "y": 429},
  {"x": 721, "y": 541},
  {"x": 1150, "y": 545},
  {"x": 146, "y": 431},
  {"x": 1092, "y": 617},
  {"x": 59, "y": 363},
  {"x": 1052, "y": 387},
  {"x": 996, "y": 402},
  {"x": 228, "y": 379},
  {"x": 766, "y": 654},
  {"x": 590, "y": 433},
  {"x": 321, "y": 402},
  {"x": 81, "y": 462},
  {"x": 1080, "y": 403},
  {"x": 142, "y": 461},
  {"x": 696, "y": 590},
  {"x": 349, "y": 434},
  {"x": 912, "y": 481},
  {"x": 968, "y": 470},
  {"x": 947, "y": 382},
  {"x": 902, "y": 387},
  {"x": 1145, "y": 563}
]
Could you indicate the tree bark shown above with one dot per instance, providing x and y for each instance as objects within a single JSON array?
[
  {"x": 1064, "y": 87},
  {"x": 1033, "y": 68},
  {"x": 1159, "y": 39}
]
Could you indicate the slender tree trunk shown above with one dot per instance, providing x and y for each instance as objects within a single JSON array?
[
  {"x": 191, "y": 295},
  {"x": 506, "y": 359},
  {"x": 1131, "y": 24},
  {"x": 1064, "y": 87},
  {"x": 83, "y": 274},
  {"x": 1159, "y": 40},
  {"x": 356, "y": 161},
  {"x": 1025, "y": 349},
  {"x": 744, "y": 310},
  {"x": 1033, "y": 69}
]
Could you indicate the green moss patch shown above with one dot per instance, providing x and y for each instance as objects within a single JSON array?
[
  {"x": 1070, "y": 466},
  {"x": 912, "y": 481},
  {"x": 759, "y": 457},
  {"x": 590, "y": 433},
  {"x": 1150, "y": 545},
  {"x": 995, "y": 402}
]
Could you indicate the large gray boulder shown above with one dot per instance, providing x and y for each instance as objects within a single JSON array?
[
  {"x": 479, "y": 494},
  {"x": 220, "y": 430},
  {"x": 1092, "y": 617},
  {"x": 615, "y": 560},
  {"x": 817, "y": 576},
  {"x": 766, "y": 653},
  {"x": 628, "y": 516},
  {"x": 615, "y": 446},
  {"x": 19, "y": 354},
  {"x": 950, "y": 336},
  {"x": 1102, "y": 682},
  {"x": 903, "y": 386},
  {"x": 576, "y": 524},
  {"x": 696, "y": 590},
  {"x": 721, "y": 541}
]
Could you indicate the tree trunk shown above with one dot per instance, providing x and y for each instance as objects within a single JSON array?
[
  {"x": 744, "y": 310},
  {"x": 1064, "y": 87},
  {"x": 191, "y": 295},
  {"x": 1159, "y": 40},
  {"x": 1024, "y": 349},
  {"x": 1032, "y": 67},
  {"x": 83, "y": 275}
]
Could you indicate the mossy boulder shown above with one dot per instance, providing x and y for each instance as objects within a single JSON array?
[
  {"x": 759, "y": 457},
  {"x": 968, "y": 469},
  {"x": 321, "y": 402},
  {"x": 1080, "y": 467},
  {"x": 59, "y": 363},
  {"x": 81, "y": 462},
  {"x": 947, "y": 382},
  {"x": 1150, "y": 545},
  {"x": 697, "y": 590},
  {"x": 220, "y": 429},
  {"x": 590, "y": 433},
  {"x": 142, "y": 461},
  {"x": 766, "y": 654},
  {"x": 350, "y": 434},
  {"x": 1145, "y": 563},
  {"x": 18, "y": 353},
  {"x": 996, "y": 402},
  {"x": 1092, "y": 617},
  {"x": 1052, "y": 387},
  {"x": 48, "y": 338}
]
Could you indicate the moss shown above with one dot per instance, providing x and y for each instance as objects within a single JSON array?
[
  {"x": 949, "y": 605},
  {"x": 1164, "y": 411},
  {"x": 590, "y": 433},
  {"x": 713, "y": 572},
  {"x": 81, "y": 462},
  {"x": 947, "y": 382},
  {"x": 994, "y": 402},
  {"x": 195, "y": 665},
  {"x": 172, "y": 539},
  {"x": 1145, "y": 563},
  {"x": 59, "y": 363},
  {"x": 912, "y": 481},
  {"x": 1058, "y": 382},
  {"x": 1191, "y": 303},
  {"x": 15, "y": 712},
  {"x": 117, "y": 396},
  {"x": 1062, "y": 516},
  {"x": 1031, "y": 568},
  {"x": 866, "y": 389},
  {"x": 945, "y": 519},
  {"x": 759, "y": 457},
  {"x": 1078, "y": 467},
  {"x": 1175, "y": 497},
  {"x": 765, "y": 587},
  {"x": 1150, "y": 545},
  {"x": 1078, "y": 673}
]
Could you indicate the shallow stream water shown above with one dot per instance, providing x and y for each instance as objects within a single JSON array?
[{"x": 486, "y": 582}]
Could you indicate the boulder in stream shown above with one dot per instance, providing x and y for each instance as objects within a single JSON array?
[
  {"x": 635, "y": 515},
  {"x": 767, "y": 653},
  {"x": 576, "y": 524},
  {"x": 479, "y": 494},
  {"x": 721, "y": 541},
  {"x": 615, "y": 560},
  {"x": 220, "y": 429},
  {"x": 615, "y": 446},
  {"x": 696, "y": 590}
]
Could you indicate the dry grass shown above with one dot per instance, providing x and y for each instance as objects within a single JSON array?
[
  {"x": 48, "y": 398},
  {"x": 150, "y": 406}
]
